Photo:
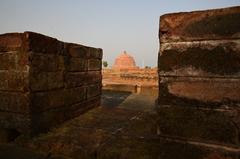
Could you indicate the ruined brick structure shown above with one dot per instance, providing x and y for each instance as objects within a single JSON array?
[
  {"x": 44, "y": 82},
  {"x": 125, "y": 62},
  {"x": 145, "y": 77},
  {"x": 129, "y": 81},
  {"x": 126, "y": 76},
  {"x": 199, "y": 78}
]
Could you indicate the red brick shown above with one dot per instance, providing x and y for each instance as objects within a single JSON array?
[
  {"x": 39, "y": 43},
  {"x": 75, "y": 79},
  {"x": 95, "y": 53},
  {"x": 94, "y": 64},
  {"x": 94, "y": 90},
  {"x": 78, "y": 51},
  {"x": 76, "y": 64},
  {"x": 14, "y": 81},
  {"x": 200, "y": 25},
  {"x": 10, "y": 42},
  {"x": 93, "y": 77},
  {"x": 46, "y": 62},
  {"x": 206, "y": 90},
  {"x": 14, "y": 102}
]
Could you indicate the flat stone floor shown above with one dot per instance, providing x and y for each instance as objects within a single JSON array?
[{"x": 124, "y": 127}]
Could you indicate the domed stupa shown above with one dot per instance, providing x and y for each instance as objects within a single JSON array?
[{"x": 124, "y": 61}]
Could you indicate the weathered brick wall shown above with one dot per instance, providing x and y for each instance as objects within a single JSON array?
[
  {"x": 44, "y": 81},
  {"x": 199, "y": 76},
  {"x": 142, "y": 77}
]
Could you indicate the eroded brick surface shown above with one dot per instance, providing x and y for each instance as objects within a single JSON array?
[
  {"x": 200, "y": 25},
  {"x": 199, "y": 76}
]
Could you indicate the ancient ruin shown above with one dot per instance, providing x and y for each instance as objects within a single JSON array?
[
  {"x": 199, "y": 78},
  {"x": 45, "y": 82},
  {"x": 124, "y": 72},
  {"x": 124, "y": 61}
]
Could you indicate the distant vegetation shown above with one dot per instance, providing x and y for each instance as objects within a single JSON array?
[{"x": 105, "y": 64}]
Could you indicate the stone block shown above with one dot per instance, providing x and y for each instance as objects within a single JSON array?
[
  {"x": 201, "y": 66},
  {"x": 10, "y": 42},
  {"x": 75, "y": 95},
  {"x": 79, "y": 108},
  {"x": 75, "y": 79},
  {"x": 48, "y": 119},
  {"x": 8, "y": 60},
  {"x": 55, "y": 80},
  {"x": 93, "y": 77},
  {"x": 14, "y": 102},
  {"x": 94, "y": 64},
  {"x": 94, "y": 90},
  {"x": 40, "y": 81},
  {"x": 76, "y": 64},
  {"x": 13, "y": 80},
  {"x": 80, "y": 51},
  {"x": 200, "y": 25},
  {"x": 95, "y": 53},
  {"x": 201, "y": 125},
  {"x": 13, "y": 60},
  {"x": 39, "y": 43},
  {"x": 42, "y": 101},
  {"x": 201, "y": 58},
  {"x": 199, "y": 91},
  {"x": 47, "y": 62},
  {"x": 77, "y": 51}
]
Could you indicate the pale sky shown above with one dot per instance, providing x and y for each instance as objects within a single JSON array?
[{"x": 114, "y": 25}]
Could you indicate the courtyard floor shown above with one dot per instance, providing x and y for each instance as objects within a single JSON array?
[{"x": 123, "y": 127}]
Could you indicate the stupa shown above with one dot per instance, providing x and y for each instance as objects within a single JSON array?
[{"x": 125, "y": 61}]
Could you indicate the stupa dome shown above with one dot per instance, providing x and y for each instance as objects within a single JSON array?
[{"x": 124, "y": 61}]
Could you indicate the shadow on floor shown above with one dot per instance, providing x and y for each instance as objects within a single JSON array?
[
  {"x": 111, "y": 99},
  {"x": 141, "y": 101}
]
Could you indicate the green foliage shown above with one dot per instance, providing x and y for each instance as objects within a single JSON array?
[{"x": 105, "y": 64}]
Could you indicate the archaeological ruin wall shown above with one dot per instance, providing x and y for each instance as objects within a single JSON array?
[
  {"x": 199, "y": 77},
  {"x": 44, "y": 82}
]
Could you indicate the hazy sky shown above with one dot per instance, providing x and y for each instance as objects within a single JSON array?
[{"x": 114, "y": 25}]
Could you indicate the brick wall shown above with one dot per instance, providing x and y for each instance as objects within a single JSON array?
[
  {"x": 44, "y": 82},
  {"x": 199, "y": 76},
  {"x": 143, "y": 77}
]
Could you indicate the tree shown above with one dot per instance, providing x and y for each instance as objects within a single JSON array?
[{"x": 105, "y": 64}]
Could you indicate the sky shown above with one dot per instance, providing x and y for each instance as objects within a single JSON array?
[{"x": 113, "y": 25}]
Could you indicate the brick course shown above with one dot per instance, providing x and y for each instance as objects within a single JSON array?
[
  {"x": 199, "y": 76},
  {"x": 44, "y": 82}
]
